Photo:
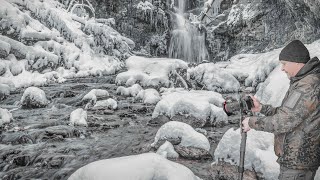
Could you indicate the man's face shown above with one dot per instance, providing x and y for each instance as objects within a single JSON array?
[{"x": 291, "y": 68}]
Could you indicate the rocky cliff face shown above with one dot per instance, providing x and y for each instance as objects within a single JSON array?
[
  {"x": 258, "y": 26},
  {"x": 243, "y": 26}
]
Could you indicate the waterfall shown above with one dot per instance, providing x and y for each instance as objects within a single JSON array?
[{"x": 187, "y": 41}]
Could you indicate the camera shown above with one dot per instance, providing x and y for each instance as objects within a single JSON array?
[{"x": 231, "y": 106}]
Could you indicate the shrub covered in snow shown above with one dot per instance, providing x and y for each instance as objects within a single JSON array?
[
  {"x": 130, "y": 91},
  {"x": 149, "y": 72},
  {"x": 149, "y": 96},
  {"x": 213, "y": 78},
  {"x": 178, "y": 130},
  {"x": 109, "y": 103},
  {"x": 259, "y": 152},
  {"x": 5, "y": 116},
  {"x": 34, "y": 97},
  {"x": 136, "y": 167},
  {"x": 79, "y": 117}
]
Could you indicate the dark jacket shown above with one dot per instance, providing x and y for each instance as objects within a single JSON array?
[{"x": 296, "y": 123}]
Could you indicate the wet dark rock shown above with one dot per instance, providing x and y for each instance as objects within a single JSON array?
[
  {"x": 101, "y": 111},
  {"x": 63, "y": 130},
  {"x": 128, "y": 115},
  {"x": 191, "y": 120},
  {"x": 141, "y": 109},
  {"x": 226, "y": 171},
  {"x": 23, "y": 160},
  {"x": 16, "y": 138},
  {"x": 192, "y": 153},
  {"x": 64, "y": 94},
  {"x": 159, "y": 121},
  {"x": 79, "y": 87}
]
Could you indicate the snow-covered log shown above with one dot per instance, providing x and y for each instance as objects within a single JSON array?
[{"x": 40, "y": 57}]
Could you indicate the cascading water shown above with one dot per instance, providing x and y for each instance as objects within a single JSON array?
[{"x": 187, "y": 41}]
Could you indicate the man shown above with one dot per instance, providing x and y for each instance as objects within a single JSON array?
[{"x": 296, "y": 123}]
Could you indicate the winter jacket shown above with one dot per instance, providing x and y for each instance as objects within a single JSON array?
[{"x": 296, "y": 123}]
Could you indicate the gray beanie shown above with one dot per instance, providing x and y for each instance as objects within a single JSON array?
[{"x": 295, "y": 51}]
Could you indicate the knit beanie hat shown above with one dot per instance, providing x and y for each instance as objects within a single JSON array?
[{"x": 295, "y": 51}]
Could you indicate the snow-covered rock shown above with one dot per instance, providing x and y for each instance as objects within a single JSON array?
[
  {"x": 253, "y": 68},
  {"x": 15, "y": 66},
  {"x": 259, "y": 152},
  {"x": 213, "y": 78},
  {"x": 167, "y": 151},
  {"x": 5, "y": 116},
  {"x": 194, "y": 106},
  {"x": 218, "y": 116},
  {"x": 4, "y": 91},
  {"x": 78, "y": 117},
  {"x": 94, "y": 95},
  {"x": 136, "y": 167},
  {"x": 34, "y": 97},
  {"x": 189, "y": 138},
  {"x": 130, "y": 91},
  {"x": 149, "y": 96},
  {"x": 3, "y": 67},
  {"x": 4, "y": 49},
  {"x": 149, "y": 72},
  {"x": 273, "y": 90},
  {"x": 109, "y": 103}
]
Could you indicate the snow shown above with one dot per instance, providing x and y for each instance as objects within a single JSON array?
[
  {"x": 167, "y": 151},
  {"x": 3, "y": 67},
  {"x": 195, "y": 102},
  {"x": 94, "y": 50},
  {"x": 136, "y": 167},
  {"x": 26, "y": 79},
  {"x": 5, "y": 116},
  {"x": 109, "y": 103},
  {"x": 78, "y": 117},
  {"x": 95, "y": 94},
  {"x": 130, "y": 91},
  {"x": 34, "y": 97},
  {"x": 16, "y": 67},
  {"x": 4, "y": 91},
  {"x": 259, "y": 152},
  {"x": 273, "y": 90},
  {"x": 179, "y": 130},
  {"x": 145, "y": 6},
  {"x": 149, "y": 96},
  {"x": 214, "y": 78},
  {"x": 4, "y": 48},
  {"x": 149, "y": 71}
]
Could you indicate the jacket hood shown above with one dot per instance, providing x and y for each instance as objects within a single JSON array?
[{"x": 311, "y": 67}]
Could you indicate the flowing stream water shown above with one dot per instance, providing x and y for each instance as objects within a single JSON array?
[{"x": 40, "y": 143}]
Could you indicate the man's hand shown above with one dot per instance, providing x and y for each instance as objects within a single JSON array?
[
  {"x": 245, "y": 125},
  {"x": 257, "y": 105}
]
